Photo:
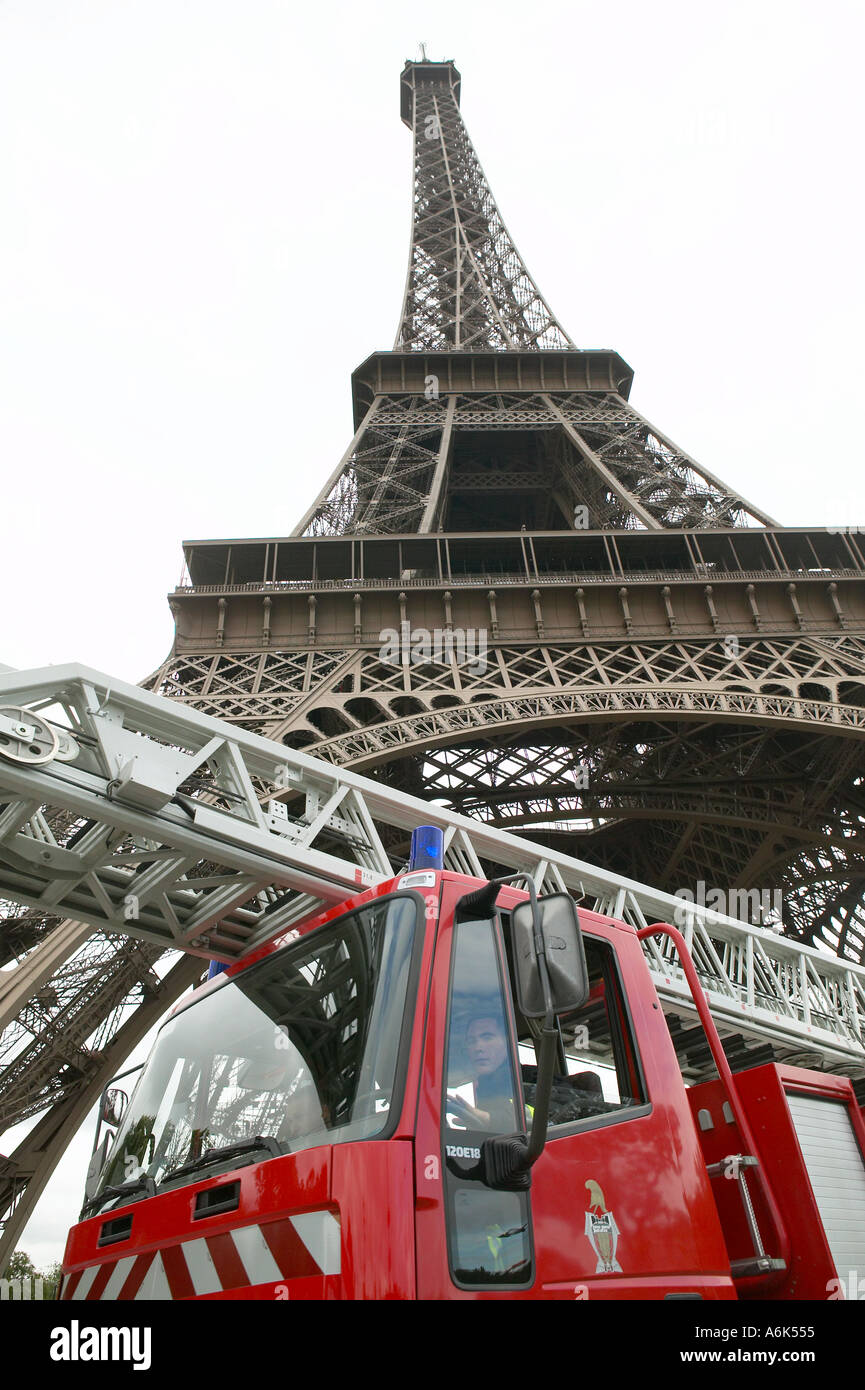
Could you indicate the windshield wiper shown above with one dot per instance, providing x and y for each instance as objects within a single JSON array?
[
  {"x": 261, "y": 1141},
  {"x": 142, "y": 1184}
]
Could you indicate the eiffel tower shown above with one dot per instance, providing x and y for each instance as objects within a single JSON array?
[{"x": 518, "y": 598}]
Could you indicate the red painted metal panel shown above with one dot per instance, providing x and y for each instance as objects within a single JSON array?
[
  {"x": 280, "y": 1187},
  {"x": 373, "y": 1186},
  {"x": 762, "y": 1094},
  {"x": 647, "y": 1175}
]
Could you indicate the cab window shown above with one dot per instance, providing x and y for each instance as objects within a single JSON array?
[
  {"x": 598, "y": 1074},
  {"x": 489, "y": 1237}
]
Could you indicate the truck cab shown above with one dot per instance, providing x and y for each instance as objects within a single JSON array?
[{"x": 319, "y": 1121}]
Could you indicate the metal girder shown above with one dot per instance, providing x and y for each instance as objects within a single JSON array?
[
  {"x": 467, "y": 286},
  {"x": 170, "y": 796},
  {"x": 38, "y": 967},
  {"x": 24, "y": 1173},
  {"x": 600, "y": 454}
]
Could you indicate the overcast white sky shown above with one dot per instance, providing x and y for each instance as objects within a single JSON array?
[{"x": 204, "y": 229}]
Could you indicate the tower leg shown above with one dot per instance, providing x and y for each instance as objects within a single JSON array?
[
  {"x": 24, "y": 1175},
  {"x": 26, "y": 979}
]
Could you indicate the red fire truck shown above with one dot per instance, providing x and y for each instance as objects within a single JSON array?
[{"x": 445, "y": 1088}]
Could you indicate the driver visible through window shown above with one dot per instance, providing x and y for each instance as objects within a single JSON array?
[
  {"x": 488, "y": 1230},
  {"x": 480, "y": 1077},
  {"x": 486, "y": 1047}
]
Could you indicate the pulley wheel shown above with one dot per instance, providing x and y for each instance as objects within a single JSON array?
[{"x": 25, "y": 737}]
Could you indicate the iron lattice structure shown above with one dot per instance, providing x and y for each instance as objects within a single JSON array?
[
  {"x": 467, "y": 287},
  {"x": 672, "y": 686}
]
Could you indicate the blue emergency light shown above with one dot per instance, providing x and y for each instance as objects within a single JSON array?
[
  {"x": 427, "y": 848},
  {"x": 216, "y": 968}
]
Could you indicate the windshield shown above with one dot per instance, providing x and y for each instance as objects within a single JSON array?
[{"x": 301, "y": 1050}]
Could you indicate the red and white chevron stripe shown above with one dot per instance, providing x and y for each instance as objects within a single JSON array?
[{"x": 293, "y": 1248}]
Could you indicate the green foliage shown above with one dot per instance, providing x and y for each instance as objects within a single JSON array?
[{"x": 21, "y": 1267}]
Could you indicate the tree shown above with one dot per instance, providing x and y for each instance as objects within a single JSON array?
[
  {"x": 22, "y": 1271},
  {"x": 52, "y": 1277},
  {"x": 20, "y": 1267}
]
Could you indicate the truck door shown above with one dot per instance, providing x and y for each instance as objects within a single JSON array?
[
  {"x": 471, "y": 1241},
  {"x": 619, "y": 1203}
]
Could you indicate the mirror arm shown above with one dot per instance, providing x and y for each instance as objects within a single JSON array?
[
  {"x": 507, "y": 1159},
  {"x": 543, "y": 1091},
  {"x": 549, "y": 1043}
]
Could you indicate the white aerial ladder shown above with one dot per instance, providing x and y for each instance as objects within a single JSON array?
[{"x": 190, "y": 833}]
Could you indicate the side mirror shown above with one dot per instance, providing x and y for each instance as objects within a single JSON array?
[
  {"x": 113, "y": 1106},
  {"x": 552, "y": 979},
  {"x": 549, "y": 926}
]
